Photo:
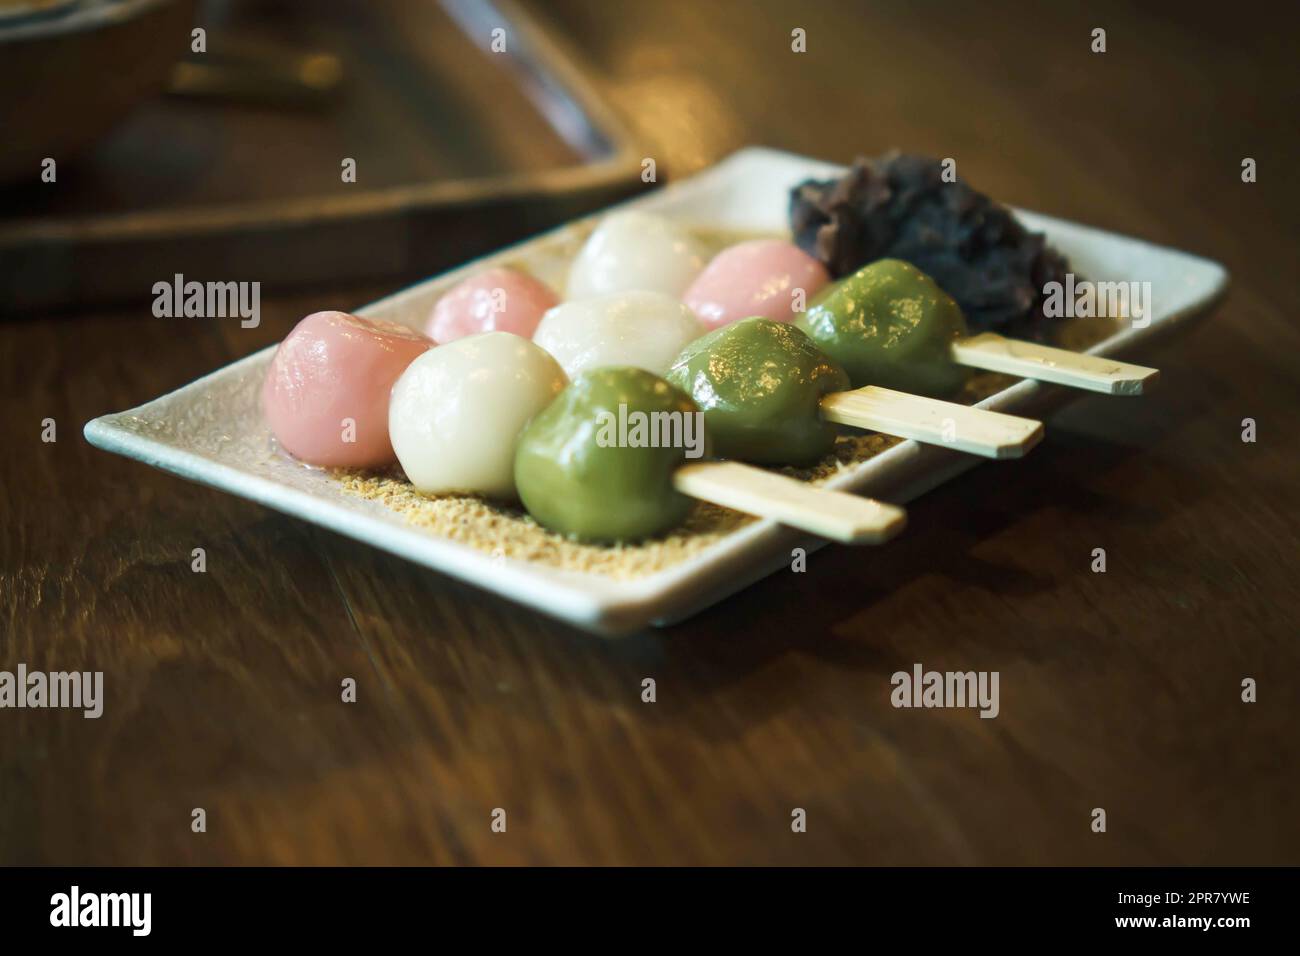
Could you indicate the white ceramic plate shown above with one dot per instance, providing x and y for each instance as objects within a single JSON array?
[{"x": 211, "y": 430}]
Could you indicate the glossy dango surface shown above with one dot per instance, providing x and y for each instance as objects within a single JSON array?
[
  {"x": 771, "y": 278},
  {"x": 642, "y": 329},
  {"x": 889, "y": 324},
  {"x": 458, "y": 409},
  {"x": 635, "y": 250},
  {"x": 595, "y": 465},
  {"x": 499, "y": 299},
  {"x": 759, "y": 384},
  {"x": 326, "y": 392}
]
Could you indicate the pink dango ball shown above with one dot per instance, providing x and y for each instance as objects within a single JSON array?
[
  {"x": 326, "y": 393},
  {"x": 759, "y": 277},
  {"x": 495, "y": 300}
]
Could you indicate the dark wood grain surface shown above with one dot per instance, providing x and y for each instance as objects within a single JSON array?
[{"x": 1118, "y": 690}]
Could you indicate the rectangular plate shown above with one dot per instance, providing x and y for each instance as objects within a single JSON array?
[{"x": 211, "y": 431}]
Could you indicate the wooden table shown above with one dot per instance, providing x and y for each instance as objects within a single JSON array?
[{"x": 1119, "y": 690}]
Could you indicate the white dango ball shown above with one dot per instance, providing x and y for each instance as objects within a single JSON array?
[
  {"x": 456, "y": 411},
  {"x": 635, "y": 250},
  {"x": 645, "y": 330}
]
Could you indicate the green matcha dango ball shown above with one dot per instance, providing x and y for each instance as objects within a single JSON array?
[
  {"x": 760, "y": 384},
  {"x": 588, "y": 470},
  {"x": 889, "y": 324}
]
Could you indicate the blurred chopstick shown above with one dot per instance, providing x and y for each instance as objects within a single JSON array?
[{"x": 307, "y": 80}]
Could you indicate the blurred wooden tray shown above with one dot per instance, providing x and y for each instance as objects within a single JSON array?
[{"x": 458, "y": 150}]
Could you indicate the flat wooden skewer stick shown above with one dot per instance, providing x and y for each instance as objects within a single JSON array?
[
  {"x": 820, "y": 511},
  {"x": 961, "y": 427},
  {"x": 1046, "y": 364}
]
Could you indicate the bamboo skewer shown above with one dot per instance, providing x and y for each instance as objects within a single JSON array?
[
  {"x": 1043, "y": 363},
  {"x": 961, "y": 427},
  {"x": 829, "y": 514},
  {"x": 856, "y": 520}
]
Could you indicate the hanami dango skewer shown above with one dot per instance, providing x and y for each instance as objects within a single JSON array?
[
  {"x": 772, "y": 397},
  {"x": 890, "y": 324},
  {"x": 576, "y": 478}
]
